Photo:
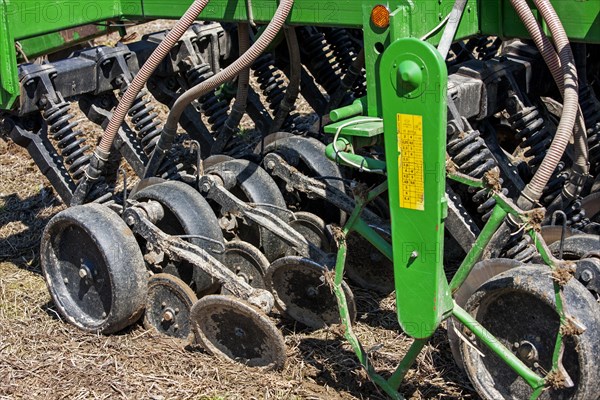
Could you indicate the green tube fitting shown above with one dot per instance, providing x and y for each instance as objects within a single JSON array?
[
  {"x": 345, "y": 150},
  {"x": 354, "y": 109}
]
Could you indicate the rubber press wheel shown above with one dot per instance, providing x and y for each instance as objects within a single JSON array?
[
  {"x": 518, "y": 308},
  {"x": 186, "y": 212},
  {"x": 301, "y": 291},
  {"x": 93, "y": 268},
  {"x": 168, "y": 306},
  {"x": 232, "y": 329}
]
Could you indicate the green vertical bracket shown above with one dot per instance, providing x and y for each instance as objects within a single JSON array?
[
  {"x": 414, "y": 80},
  {"x": 9, "y": 85}
]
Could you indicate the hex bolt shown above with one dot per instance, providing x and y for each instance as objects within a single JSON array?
[
  {"x": 83, "y": 274},
  {"x": 163, "y": 304},
  {"x": 414, "y": 254},
  {"x": 168, "y": 316},
  {"x": 239, "y": 332},
  {"x": 587, "y": 275},
  {"x": 129, "y": 220},
  {"x": 175, "y": 327},
  {"x": 270, "y": 165}
]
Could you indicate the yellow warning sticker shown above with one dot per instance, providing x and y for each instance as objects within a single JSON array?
[{"x": 410, "y": 161}]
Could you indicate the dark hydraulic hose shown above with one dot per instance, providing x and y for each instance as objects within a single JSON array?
[
  {"x": 244, "y": 61},
  {"x": 293, "y": 89}
]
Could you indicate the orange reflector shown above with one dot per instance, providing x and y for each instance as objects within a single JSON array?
[{"x": 380, "y": 16}]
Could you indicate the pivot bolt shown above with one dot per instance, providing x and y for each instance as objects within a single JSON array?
[
  {"x": 587, "y": 275},
  {"x": 410, "y": 76},
  {"x": 168, "y": 315}
]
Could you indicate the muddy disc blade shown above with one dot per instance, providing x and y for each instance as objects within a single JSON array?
[
  {"x": 232, "y": 329},
  {"x": 481, "y": 273},
  {"x": 368, "y": 267},
  {"x": 302, "y": 291},
  {"x": 247, "y": 262},
  {"x": 168, "y": 306}
]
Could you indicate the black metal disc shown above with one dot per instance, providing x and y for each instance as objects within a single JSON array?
[
  {"x": 232, "y": 329},
  {"x": 312, "y": 228},
  {"x": 94, "y": 268},
  {"x": 168, "y": 306},
  {"x": 247, "y": 262},
  {"x": 518, "y": 308},
  {"x": 302, "y": 292},
  {"x": 577, "y": 246},
  {"x": 368, "y": 267}
]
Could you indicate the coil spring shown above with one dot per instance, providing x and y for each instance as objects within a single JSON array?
[
  {"x": 269, "y": 80},
  {"x": 273, "y": 88},
  {"x": 519, "y": 247},
  {"x": 576, "y": 217},
  {"x": 71, "y": 146},
  {"x": 555, "y": 184},
  {"x": 145, "y": 122},
  {"x": 533, "y": 133},
  {"x": 590, "y": 109},
  {"x": 318, "y": 56},
  {"x": 472, "y": 157},
  {"x": 214, "y": 108},
  {"x": 345, "y": 51}
]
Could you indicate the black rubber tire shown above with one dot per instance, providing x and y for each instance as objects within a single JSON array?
[
  {"x": 255, "y": 185},
  {"x": 93, "y": 236},
  {"x": 187, "y": 213},
  {"x": 518, "y": 305}
]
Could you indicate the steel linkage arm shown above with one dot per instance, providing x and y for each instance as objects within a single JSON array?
[{"x": 141, "y": 219}]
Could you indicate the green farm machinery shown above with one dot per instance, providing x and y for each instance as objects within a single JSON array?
[{"x": 459, "y": 140}]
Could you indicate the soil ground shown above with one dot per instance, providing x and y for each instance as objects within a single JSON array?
[{"x": 42, "y": 356}]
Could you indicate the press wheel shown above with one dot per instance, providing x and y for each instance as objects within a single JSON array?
[
  {"x": 301, "y": 291},
  {"x": 94, "y": 269},
  {"x": 168, "y": 306},
  {"x": 247, "y": 262},
  {"x": 518, "y": 308},
  {"x": 232, "y": 329}
]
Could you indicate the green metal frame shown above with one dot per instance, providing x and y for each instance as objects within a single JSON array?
[
  {"x": 39, "y": 26},
  {"x": 406, "y": 86}
]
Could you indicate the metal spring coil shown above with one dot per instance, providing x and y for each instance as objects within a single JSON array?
[
  {"x": 214, "y": 108},
  {"x": 269, "y": 80},
  {"x": 317, "y": 55},
  {"x": 71, "y": 146},
  {"x": 472, "y": 157},
  {"x": 591, "y": 114},
  {"x": 145, "y": 122},
  {"x": 534, "y": 134},
  {"x": 345, "y": 51}
]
